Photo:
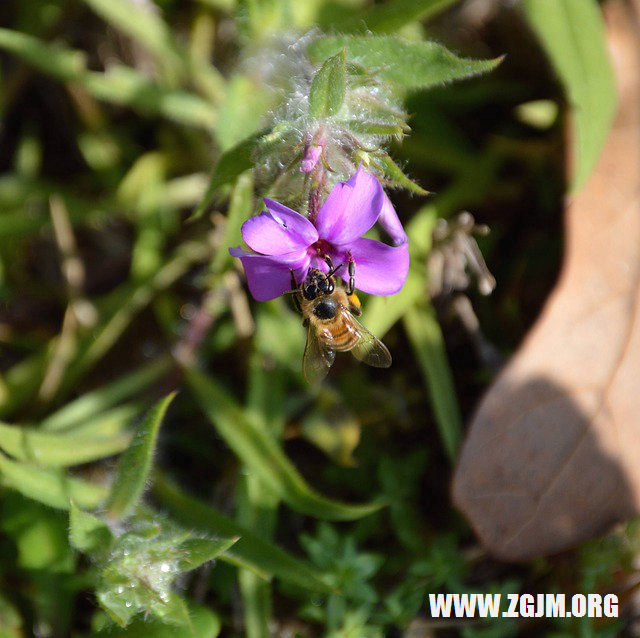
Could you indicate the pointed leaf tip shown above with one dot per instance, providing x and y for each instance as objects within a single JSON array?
[
  {"x": 135, "y": 463},
  {"x": 329, "y": 86}
]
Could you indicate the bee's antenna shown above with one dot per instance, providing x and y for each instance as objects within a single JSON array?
[{"x": 333, "y": 271}]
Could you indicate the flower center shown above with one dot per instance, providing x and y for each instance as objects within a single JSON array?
[{"x": 321, "y": 247}]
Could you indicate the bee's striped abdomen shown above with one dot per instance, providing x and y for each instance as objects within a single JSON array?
[{"x": 339, "y": 336}]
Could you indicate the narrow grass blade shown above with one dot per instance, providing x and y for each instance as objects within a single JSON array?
[
  {"x": 573, "y": 36},
  {"x": 56, "y": 61},
  {"x": 242, "y": 111},
  {"x": 56, "y": 450},
  {"x": 121, "y": 84},
  {"x": 381, "y": 313},
  {"x": 251, "y": 551},
  {"x": 144, "y": 24},
  {"x": 256, "y": 604},
  {"x": 21, "y": 382},
  {"x": 88, "y": 405},
  {"x": 135, "y": 464},
  {"x": 127, "y": 307},
  {"x": 129, "y": 87},
  {"x": 392, "y": 15},
  {"x": 240, "y": 208},
  {"x": 49, "y": 486},
  {"x": 231, "y": 164},
  {"x": 428, "y": 344},
  {"x": 261, "y": 454}
]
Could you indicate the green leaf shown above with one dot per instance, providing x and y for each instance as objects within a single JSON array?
[
  {"x": 127, "y": 304},
  {"x": 374, "y": 128},
  {"x": 392, "y": 15},
  {"x": 55, "y": 450},
  {"x": 240, "y": 209},
  {"x": 395, "y": 175},
  {"x": 87, "y": 532},
  {"x": 261, "y": 454},
  {"x": 573, "y": 36},
  {"x": 227, "y": 6},
  {"x": 49, "y": 486},
  {"x": 88, "y": 405},
  {"x": 381, "y": 313},
  {"x": 256, "y": 602},
  {"x": 119, "y": 85},
  {"x": 230, "y": 166},
  {"x": 328, "y": 87},
  {"x": 251, "y": 551},
  {"x": 173, "y": 610},
  {"x": 411, "y": 65},
  {"x": 56, "y": 61},
  {"x": 135, "y": 464},
  {"x": 143, "y": 23},
  {"x": 40, "y": 534},
  {"x": 107, "y": 424},
  {"x": 244, "y": 106},
  {"x": 428, "y": 344},
  {"x": 126, "y": 86},
  {"x": 22, "y": 381},
  {"x": 197, "y": 551},
  {"x": 204, "y": 624},
  {"x": 119, "y": 609},
  {"x": 142, "y": 565}
]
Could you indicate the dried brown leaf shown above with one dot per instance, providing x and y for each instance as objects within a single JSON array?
[{"x": 553, "y": 452}]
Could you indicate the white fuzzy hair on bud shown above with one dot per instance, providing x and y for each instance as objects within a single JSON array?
[{"x": 288, "y": 156}]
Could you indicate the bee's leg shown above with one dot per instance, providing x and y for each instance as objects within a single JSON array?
[
  {"x": 352, "y": 275},
  {"x": 294, "y": 287},
  {"x": 332, "y": 270},
  {"x": 354, "y": 302}
]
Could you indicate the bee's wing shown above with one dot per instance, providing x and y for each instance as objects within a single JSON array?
[
  {"x": 368, "y": 348},
  {"x": 317, "y": 359}
]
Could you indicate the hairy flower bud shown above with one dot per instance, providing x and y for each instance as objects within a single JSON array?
[
  {"x": 309, "y": 137},
  {"x": 310, "y": 158}
]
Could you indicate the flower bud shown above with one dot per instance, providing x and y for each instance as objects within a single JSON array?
[{"x": 310, "y": 159}]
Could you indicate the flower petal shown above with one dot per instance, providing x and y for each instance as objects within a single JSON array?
[
  {"x": 269, "y": 277},
  {"x": 278, "y": 231},
  {"x": 380, "y": 269},
  {"x": 351, "y": 209},
  {"x": 391, "y": 224}
]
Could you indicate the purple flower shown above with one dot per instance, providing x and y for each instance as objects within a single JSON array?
[{"x": 283, "y": 240}]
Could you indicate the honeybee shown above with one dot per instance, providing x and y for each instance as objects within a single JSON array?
[{"x": 328, "y": 310}]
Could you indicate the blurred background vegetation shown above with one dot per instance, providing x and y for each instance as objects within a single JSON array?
[{"x": 326, "y": 509}]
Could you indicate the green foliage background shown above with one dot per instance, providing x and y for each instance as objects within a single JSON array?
[{"x": 249, "y": 504}]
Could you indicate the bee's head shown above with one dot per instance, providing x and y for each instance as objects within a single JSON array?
[{"x": 317, "y": 284}]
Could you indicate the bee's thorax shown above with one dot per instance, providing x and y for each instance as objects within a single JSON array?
[{"x": 326, "y": 309}]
